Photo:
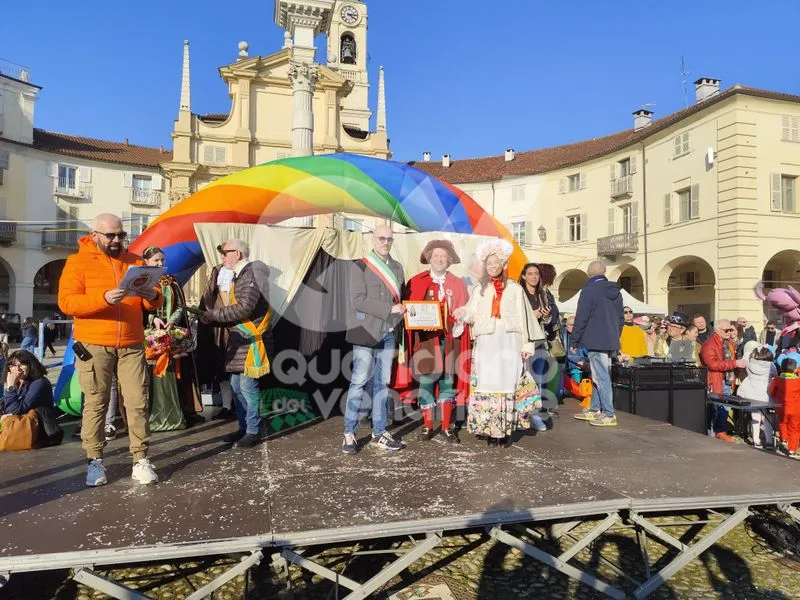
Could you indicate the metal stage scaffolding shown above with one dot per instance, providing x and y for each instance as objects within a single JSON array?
[{"x": 295, "y": 493}]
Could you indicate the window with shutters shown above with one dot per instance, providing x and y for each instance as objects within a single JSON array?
[
  {"x": 574, "y": 182},
  {"x": 352, "y": 225},
  {"x": 627, "y": 226},
  {"x": 518, "y": 231},
  {"x": 214, "y": 155},
  {"x": 518, "y": 193},
  {"x": 681, "y": 143},
  {"x": 67, "y": 178},
  {"x": 784, "y": 193},
  {"x": 137, "y": 223},
  {"x": 625, "y": 167},
  {"x": 788, "y": 187},
  {"x": 684, "y": 205},
  {"x": 790, "y": 128},
  {"x": 575, "y": 228}
]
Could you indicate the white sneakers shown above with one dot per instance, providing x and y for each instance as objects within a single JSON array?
[
  {"x": 143, "y": 472},
  {"x": 96, "y": 474}
]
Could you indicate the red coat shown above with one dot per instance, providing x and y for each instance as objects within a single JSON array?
[
  {"x": 421, "y": 287},
  {"x": 712, "y": 356},
  {"x": 787, "y": 392}
]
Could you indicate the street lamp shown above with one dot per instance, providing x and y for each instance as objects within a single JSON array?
[{"x": 542, "y": 233}]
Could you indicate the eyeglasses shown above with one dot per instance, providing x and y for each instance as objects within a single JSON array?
[
  {"x": 628, "y": 312},
  {"x": 114, "y": 234},
  {"x": 226, "y": 252},
  {"x": 385, "y": 240}
]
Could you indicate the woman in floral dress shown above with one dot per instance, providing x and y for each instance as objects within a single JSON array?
[
  {"x": 505, "y": 330},
  {"x": 175, "y": 396}
]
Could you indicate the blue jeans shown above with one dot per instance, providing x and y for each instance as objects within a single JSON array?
[
  {"x": 29, "y": 344},
  {"x": 245, "y": 397},
  {"x": 719, "y": 418},
  {"x": 602, "y": 398},
  {"x": 371, "y": 364}
]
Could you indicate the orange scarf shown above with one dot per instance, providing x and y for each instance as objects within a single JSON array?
[{"x": 498, "y": 284}]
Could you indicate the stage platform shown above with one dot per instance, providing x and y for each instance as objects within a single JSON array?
[{"x": 298, "y": 490}]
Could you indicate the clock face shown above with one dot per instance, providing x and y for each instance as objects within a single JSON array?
[{"x": 349, "y": 15}]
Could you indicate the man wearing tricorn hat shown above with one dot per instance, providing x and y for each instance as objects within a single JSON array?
[{"x": 437, "y": 358}]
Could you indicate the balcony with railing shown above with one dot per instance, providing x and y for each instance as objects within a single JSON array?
[
  {"x": 142, "y": 197},
  {"x": 10, "y": 69},
  {"x": 616, "y": 245},
  {"x": 622, "y": 186},
  {"x": 69, "y": 188},
  {"x": 8, "y": 233},
  {"x": 61, "y": 238}
]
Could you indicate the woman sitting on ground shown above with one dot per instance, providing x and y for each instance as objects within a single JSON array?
[{"x": 26, "y": 384}]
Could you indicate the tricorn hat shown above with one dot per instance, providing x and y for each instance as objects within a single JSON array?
[{"x": 445, "y": 245}]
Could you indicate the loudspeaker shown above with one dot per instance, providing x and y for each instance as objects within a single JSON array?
[
  {"x": 623, "y": 399},
  {"x": 652, "y": 404},
  {"x": 689, "y": 410}
]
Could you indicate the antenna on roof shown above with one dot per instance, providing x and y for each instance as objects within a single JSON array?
[{"x": 684, "y": 74}]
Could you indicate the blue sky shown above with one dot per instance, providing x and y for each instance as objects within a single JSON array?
[{"x": 464, "y": 77}]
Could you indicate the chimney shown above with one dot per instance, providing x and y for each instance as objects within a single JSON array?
[
  {"x": 446, "y": 161},
  {"x": 705, "y": 88},
  {"x": 642, "y": 118},
  {"x": 161, "y": 149},
  {"x": 426, "y": 157},
  {"x": 126, "y": 142},
  {"x": 509, "y": 154}
]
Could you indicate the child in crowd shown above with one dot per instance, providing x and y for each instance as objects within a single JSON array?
[
  {"x": 760, "y": 370},
  {"x": 786, "y": 389}
]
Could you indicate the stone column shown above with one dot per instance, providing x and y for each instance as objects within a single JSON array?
[
  {"x": 304, "y": 79},
  {"x": 21, "y": 299}
]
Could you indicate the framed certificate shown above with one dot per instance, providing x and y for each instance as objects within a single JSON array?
[{"x": 423, "y": 314}]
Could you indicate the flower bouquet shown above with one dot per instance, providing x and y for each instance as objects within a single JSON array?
[{"x": 163, "y": 344}]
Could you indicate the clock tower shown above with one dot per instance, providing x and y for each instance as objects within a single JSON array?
[{"x": 347, "y": 55}]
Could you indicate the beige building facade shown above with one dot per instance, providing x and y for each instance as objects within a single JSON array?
[
  {"x": 688, "y": 211},
  {"x": 51, "y": 187}
]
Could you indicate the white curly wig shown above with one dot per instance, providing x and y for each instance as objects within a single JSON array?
[{"x": 502, "y": 248}]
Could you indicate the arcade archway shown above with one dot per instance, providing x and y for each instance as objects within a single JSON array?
[
  {"x": 45, "y": 289},
  {"x": 631, "y": 280},
  {"x": 690, "y": 286},
  {"x": 570, "y": 284}
]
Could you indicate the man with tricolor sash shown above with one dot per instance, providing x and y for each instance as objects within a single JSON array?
[
  {"x": 376, "y": 286},
  {"x": 248, "y": 318}
]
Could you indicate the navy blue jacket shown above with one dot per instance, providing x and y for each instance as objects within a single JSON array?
[
  {"x": 599, "y": 318},
  {"x": 31, "y": 394}
]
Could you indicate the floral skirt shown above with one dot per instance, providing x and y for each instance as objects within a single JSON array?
[{"x": 497, "y": 415}]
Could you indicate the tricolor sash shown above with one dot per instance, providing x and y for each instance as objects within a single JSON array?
[
  {"x": 257, "y": 362},
  {"x": 376, "y": 264},
  {"x": 384, "y": 273}
]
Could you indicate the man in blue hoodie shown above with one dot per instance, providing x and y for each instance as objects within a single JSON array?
[{"x": 598, "y": 324}]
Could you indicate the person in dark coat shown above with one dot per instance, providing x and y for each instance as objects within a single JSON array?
[
  {"x": 598, "y": 324},
  {"x": 212, "y": 341},
  {"x": 26, "y": 385},
  {"x": 376, "y": 286},
  {"x": 248, "y": 318}
]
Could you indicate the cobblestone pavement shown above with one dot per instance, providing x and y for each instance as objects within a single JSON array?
[{"x": 474, "y": 567}]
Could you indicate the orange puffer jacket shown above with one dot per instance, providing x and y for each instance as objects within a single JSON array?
[{"x": 86, "y": 277}]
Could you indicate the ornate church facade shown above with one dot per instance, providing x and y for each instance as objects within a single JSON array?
[{"x": 327, "y": 104}]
